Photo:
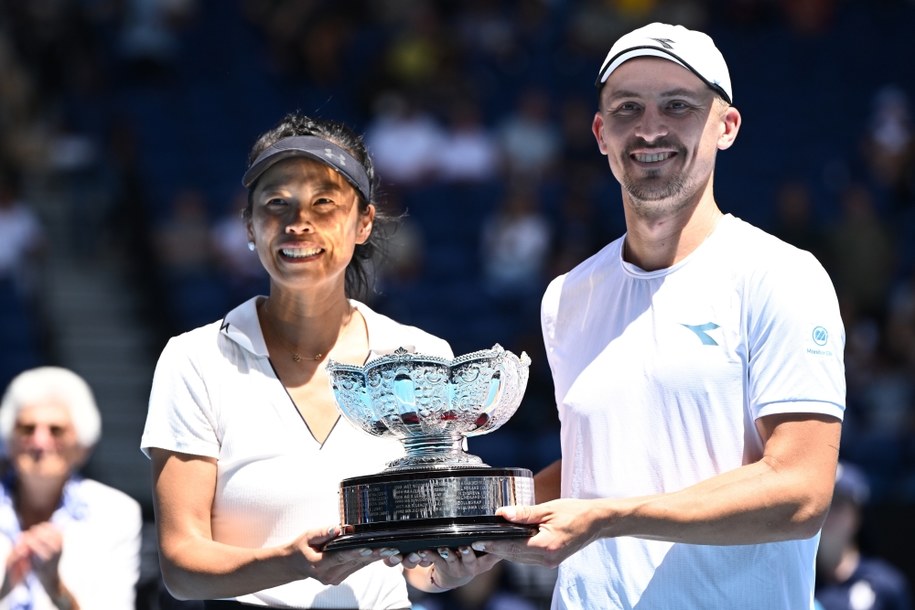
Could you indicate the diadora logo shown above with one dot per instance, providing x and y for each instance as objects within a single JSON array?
[
  {"x": 667, "y": 43},
  {"x": 820, "y": 335},
  {"x": 330, "y": 155},
  {"x": 701, "y": 331}
]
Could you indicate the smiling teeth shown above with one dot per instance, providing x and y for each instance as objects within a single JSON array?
[
  {"x": 653, "y": 158},
  {"x": 300, "y": 252}
]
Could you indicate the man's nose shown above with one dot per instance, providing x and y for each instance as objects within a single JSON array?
[{"x": 652, "y": 126}]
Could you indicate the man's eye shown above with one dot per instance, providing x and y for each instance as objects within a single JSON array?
[
  {"x": 625, "y": 109},
  {"x": 276, "y": 201}
]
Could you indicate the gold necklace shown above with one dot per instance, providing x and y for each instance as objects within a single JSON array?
[{"x": 294, "y": 354}]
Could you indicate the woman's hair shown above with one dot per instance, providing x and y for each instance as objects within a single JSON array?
[
  {"x": 358, "y": 276},
  {"x": 35, "y": 385}
]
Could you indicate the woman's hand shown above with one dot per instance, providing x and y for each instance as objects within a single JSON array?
[
  {"x": 442, "y": 569},
  {"x": 332, "y": 567}
]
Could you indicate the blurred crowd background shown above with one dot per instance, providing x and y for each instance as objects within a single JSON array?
[{"x": 125, "y": 127}]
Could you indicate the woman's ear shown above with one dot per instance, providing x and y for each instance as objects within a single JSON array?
[{"x": 366, "y": 221}]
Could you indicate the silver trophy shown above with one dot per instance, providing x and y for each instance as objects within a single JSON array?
[{"x": 437, "y": 494}]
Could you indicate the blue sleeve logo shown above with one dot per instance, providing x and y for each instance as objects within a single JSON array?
[{"x": 820, "y": 335}]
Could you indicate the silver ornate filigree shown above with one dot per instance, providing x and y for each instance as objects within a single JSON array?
[{"x": 431, "y": 404}]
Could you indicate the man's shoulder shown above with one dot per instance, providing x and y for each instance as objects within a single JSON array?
[{"x": 752, "y": 247}]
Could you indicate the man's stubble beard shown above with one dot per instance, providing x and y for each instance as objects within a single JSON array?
[{"x": 657, "y": 199}]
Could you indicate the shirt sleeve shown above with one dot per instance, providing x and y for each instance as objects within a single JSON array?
[
  {"x": 796, "y": 340},
  {"x": 180, "y": 416}
]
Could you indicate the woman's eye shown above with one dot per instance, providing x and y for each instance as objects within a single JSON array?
[{"x": 276, "y": 201}]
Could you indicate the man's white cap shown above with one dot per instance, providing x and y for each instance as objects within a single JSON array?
[{"x": 693, "y": 50}]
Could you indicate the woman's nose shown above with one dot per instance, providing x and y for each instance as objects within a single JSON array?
[{"x": 299, "y": 221}]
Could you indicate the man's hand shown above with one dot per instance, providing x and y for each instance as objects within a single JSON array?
[{"x": 566, "y": 526}]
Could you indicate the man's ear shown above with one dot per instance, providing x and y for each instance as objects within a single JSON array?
[
  {"x": 731, "y": 121},
  {"x": 597, "y": 126}
]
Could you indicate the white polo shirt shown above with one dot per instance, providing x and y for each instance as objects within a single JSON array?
[
  {"x": 660, "y": 377},
  {"x": 215, "y": 394}
]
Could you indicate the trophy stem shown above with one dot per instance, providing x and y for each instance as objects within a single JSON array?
[{"x": 427, "y": 450}]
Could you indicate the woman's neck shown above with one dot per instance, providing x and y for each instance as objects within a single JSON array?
[{"x": 306, "y": 330}]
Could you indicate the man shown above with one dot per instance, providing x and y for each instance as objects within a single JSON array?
[
  {"x": 698, "y": 370},
  {"x": 846, "y": 579}
]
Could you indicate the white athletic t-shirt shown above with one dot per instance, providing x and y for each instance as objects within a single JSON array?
[
  {"x": 215, "y": 394},
  {"x": 659, "y": 378}
]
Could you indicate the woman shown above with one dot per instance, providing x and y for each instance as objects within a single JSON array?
[
  {"x": 65, "y": 541},
  {"x": 247, "y": 445}
]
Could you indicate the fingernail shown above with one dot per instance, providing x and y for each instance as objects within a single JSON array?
[
  {"x": 423, "y": 554},
  {"x": 365, "y": 552},
  {"x": 478, "y": 546},
  {"x": 388, "y": 552},
  {"x": 413, "y": 557},
  {"x": 332, "y": 531},
  {"x": 444, "y": 553},
  {"x": 465, "y": 550}
]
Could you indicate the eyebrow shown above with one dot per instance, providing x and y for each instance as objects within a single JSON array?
[
  {"x": 321, "y": 185},
  {"x": 678, "y": 92}
]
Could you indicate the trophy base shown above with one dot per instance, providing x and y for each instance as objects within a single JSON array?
[
  {"x": 428, "y": 508},
  {"x": 431, "y": 536}
]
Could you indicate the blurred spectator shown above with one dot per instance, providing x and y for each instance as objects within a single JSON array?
[
  {"x": 862, "y": 254},
  {"x": 889, "y": 143},
  {"x": 528, "y": 136},
  {"x": 66, "y": 541},
  {"x": 515, "y": 244},
  {"x": 900, "y": 321},
  {"x": 404, "y": 141},
  {"x": 149, "y": 39},
  {"x": 182, "y": 238},
  {"x": 848, "y": 579},
  {"x": 579, "y": 231},
  {"x": 22, "y": 237},
  {"x": 182, "y": 245},
  {"x": 794, "y": 220},
  {"x": 468, "y": 152},
  {"x": 74, "y": 165},
  {"x": 17, "y": 104},
  {"x": 403, "y": 257},
  {"x": 418, "y": 47},
  {"x": 236, "y": 264}
]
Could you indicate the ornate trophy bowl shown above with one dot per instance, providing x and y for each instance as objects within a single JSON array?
[{"x": 437, "y": 494}]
